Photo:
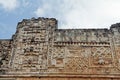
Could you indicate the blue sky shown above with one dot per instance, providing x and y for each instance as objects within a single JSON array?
[{"x": 69, "y": 13}]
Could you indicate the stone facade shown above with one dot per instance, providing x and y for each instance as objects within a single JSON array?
[{"x": 40, "y": 49}]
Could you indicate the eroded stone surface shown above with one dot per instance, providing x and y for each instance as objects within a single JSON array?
[{"x": 39, "y": 47}]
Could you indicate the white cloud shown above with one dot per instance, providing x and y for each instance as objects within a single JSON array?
[
  {"x": 25, "y": 3},
  {"x": 9, "y": 5},
  {"x": 81, "y": 13},
  {"x": 42, "y": 10}
]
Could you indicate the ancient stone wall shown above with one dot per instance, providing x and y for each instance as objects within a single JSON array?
[
  {"x": 39, "y": 48},
  {"x": 5, "y": 53},
  {"x": 82, "y": 35}
]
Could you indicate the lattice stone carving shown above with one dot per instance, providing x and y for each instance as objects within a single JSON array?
[
  {"x": 101, "y": 56},
  {"x": 76, "y": 64},
  {"x": 77, "y": 59},
  {"x": 58, "y": 52},
  {"x": 117, "y": 59},
  {"x": 58, "y": 56}
]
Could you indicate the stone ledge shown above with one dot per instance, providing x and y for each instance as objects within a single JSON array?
[{"x": 63, "y": 76}]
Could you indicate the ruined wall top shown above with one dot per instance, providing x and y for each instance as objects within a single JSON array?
[
  {"x": 37, "y": 22},
  {"x": 67, "y": 35}
]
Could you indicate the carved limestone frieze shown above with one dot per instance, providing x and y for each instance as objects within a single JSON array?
[{"x": 39, "y": 47}]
